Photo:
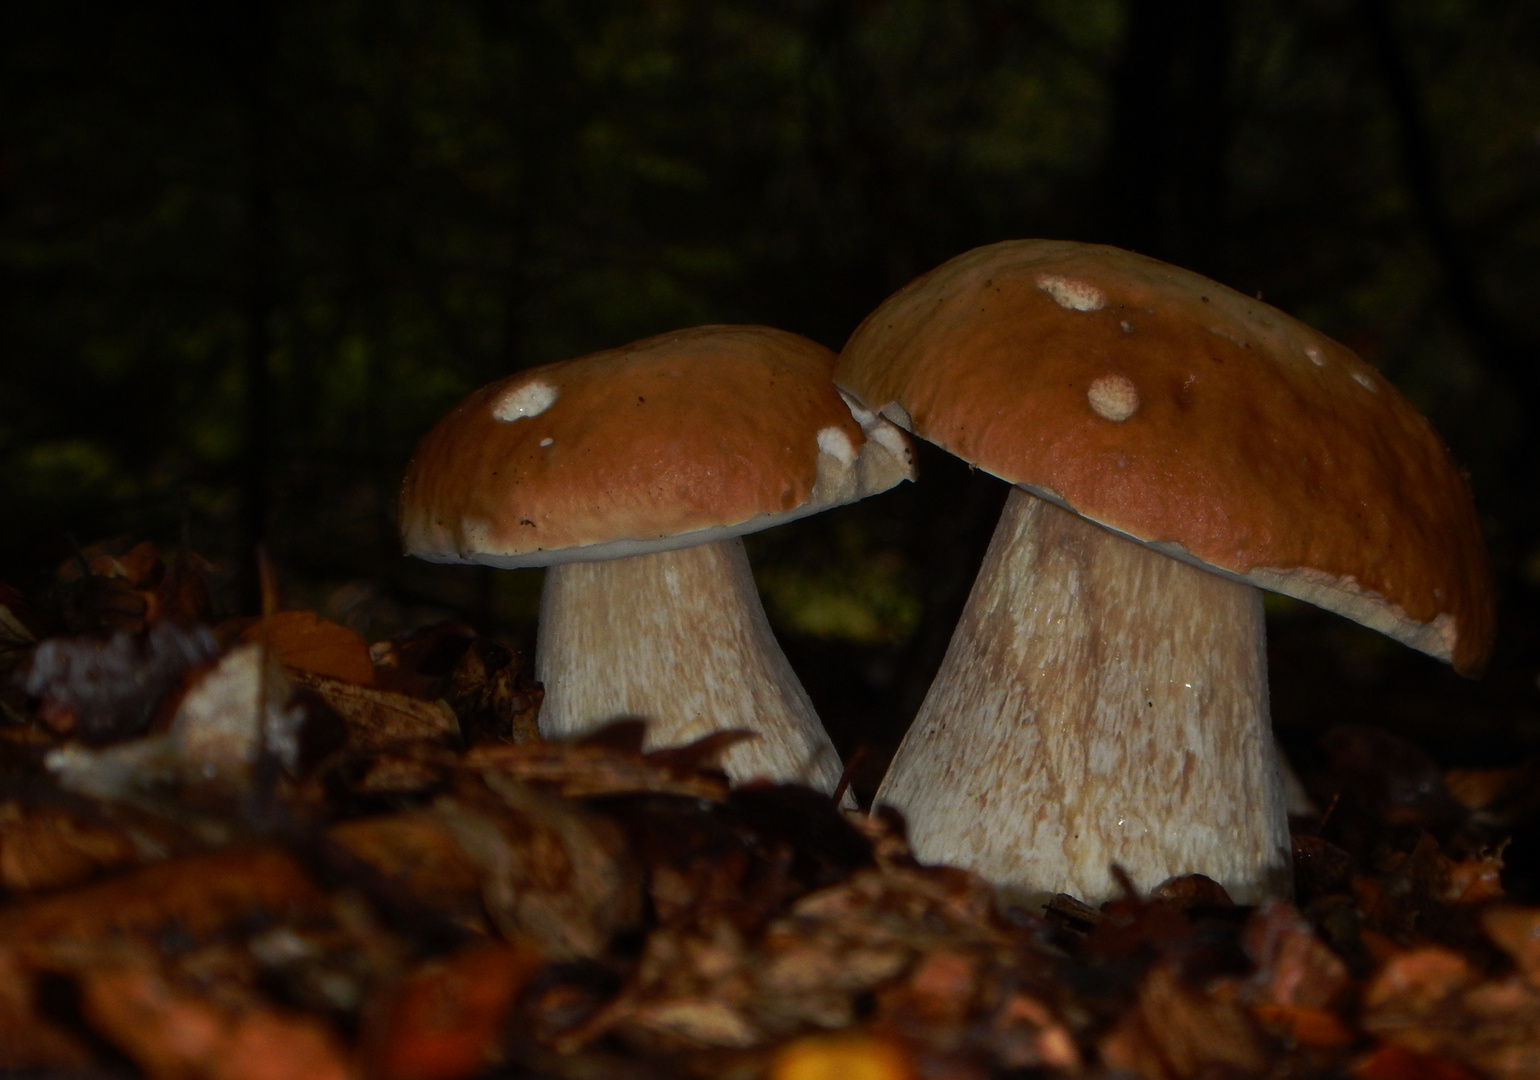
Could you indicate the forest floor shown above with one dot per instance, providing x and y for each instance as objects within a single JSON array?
[{"x": 261, "y": 848}]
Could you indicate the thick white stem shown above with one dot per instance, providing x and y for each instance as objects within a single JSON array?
[
  {"x": 1099, "y": 703},
  {"x": 678, "y": 638}
]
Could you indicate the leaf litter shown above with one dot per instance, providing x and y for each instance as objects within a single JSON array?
[{"x": 267, "y": 849}]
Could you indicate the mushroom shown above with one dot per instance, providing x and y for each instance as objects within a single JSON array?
[
  {"x": 632, "y": 474},
  {"x": 1176, "y": 447}
]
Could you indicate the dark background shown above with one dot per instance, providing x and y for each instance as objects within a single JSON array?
[{"x": 249, "y": 252}]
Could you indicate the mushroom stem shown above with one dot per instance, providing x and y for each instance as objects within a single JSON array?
[
  {"x": 1100, "y": 703},
  {"x": 678, "y": 638}
]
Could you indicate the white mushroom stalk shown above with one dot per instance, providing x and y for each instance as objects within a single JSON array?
[
  {"x": 1119, "y": 699},
  {"x": 681, "y": 638}
]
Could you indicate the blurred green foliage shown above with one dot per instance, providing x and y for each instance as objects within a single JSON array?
[{"x": 409, "y": 198}]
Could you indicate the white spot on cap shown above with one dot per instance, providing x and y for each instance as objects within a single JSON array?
[
  {"x": 1127, "y": 328},
  {"x": 1314, "y": 352},
  {"x": 547, "y": 442},
  {"x": 1364, "y": 381},
  {"x": 531, "y": 399},
  {"x": 834, "y": 442},
  {"x": 1072, "y": 294},
  {"x": 1113, "y": 397}
]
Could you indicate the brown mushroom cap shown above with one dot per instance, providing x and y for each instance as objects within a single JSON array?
[
  {"x": 675, "y": 440},
  {"x": 1191, "y": 418}
]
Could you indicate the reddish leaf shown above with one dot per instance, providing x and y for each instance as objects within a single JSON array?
[
  {"x": 306, "y": 642},
  {"x": 445, "y": 1020}
]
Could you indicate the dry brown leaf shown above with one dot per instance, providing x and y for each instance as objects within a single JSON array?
[
  {"x": 199, "y": 895},
  {"x": 136, "y": 565},
  {"x": 20, "y": 629},
  {"x": 28, "y": 1040},
  {"x": 1294, "y": 967},
  {"x": 1304, "y": 1025},
  {"x": 1502, "y": 797},
  {"x": 1431, "y": 1001},
  {"x": 414, "y": 768},
  {"x": 416, "y": 851},
  {"x": 380, "y": 719},
  {"x": 183, "y": 592},
  {"x": 1175, "y": 1031},
  {"x": 1475, "y": 880},
  {"x": 492, "y": 696},
  {"x": 306, "y": 642},
  {"x": 50, "y": 847},
  {"x": 1387, "y": 1062},
  {"x": 1418, "y": 981},
  {"x": 587, "y": 769},
  {"x": 1516, "y": 931},
  {"x": 545, "y": 872},
  {"x": 176, "y": 1032},
  {"x": 550, "y": 872},
  {"x": 445, "y": 1019}
]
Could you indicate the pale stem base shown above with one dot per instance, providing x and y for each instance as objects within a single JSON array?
[
  {"x": 1099, "y": 703},
  {"x": 680, "y": 639}
]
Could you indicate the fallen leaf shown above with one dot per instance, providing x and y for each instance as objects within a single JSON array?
[
  {"x": 306, "y": 642},
  {"x": 1387, "y": 1062},
  {"x": 1294, "y": 968},
  {"x": 1431, "y": 1001},
  {"x": 550, "y": 873},
  {"x": 1304, "y": 1025},
  {"x": 1475, "y": 880},
  {"x": 28, "y": 1040},
  {"x": 198, "y": 894},
  {"x": 493, "y": 696},
  {"x": 445, "y": 1019},
  {"x": 589, "y": 769},
  {"x": 417, "y": 852},
  {"x": 48, "y": 847},
  {"x": 381, "y": 719},
  {"x": 1177, "y": 1031},
  {"x": 1516, "y": 931},
  {"x": 174, "y": 1032}
]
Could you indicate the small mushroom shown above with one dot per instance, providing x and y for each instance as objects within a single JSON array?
[
  {"x": 1176, "y": 448},
  {"x": 632, "y": 474}
]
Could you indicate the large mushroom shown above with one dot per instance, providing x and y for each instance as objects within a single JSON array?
[
  {"x": 631, "y": 474},
  {"x": 1176, "y": 447}
]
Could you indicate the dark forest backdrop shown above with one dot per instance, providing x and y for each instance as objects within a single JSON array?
[{"x": 250, "y": 251}]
